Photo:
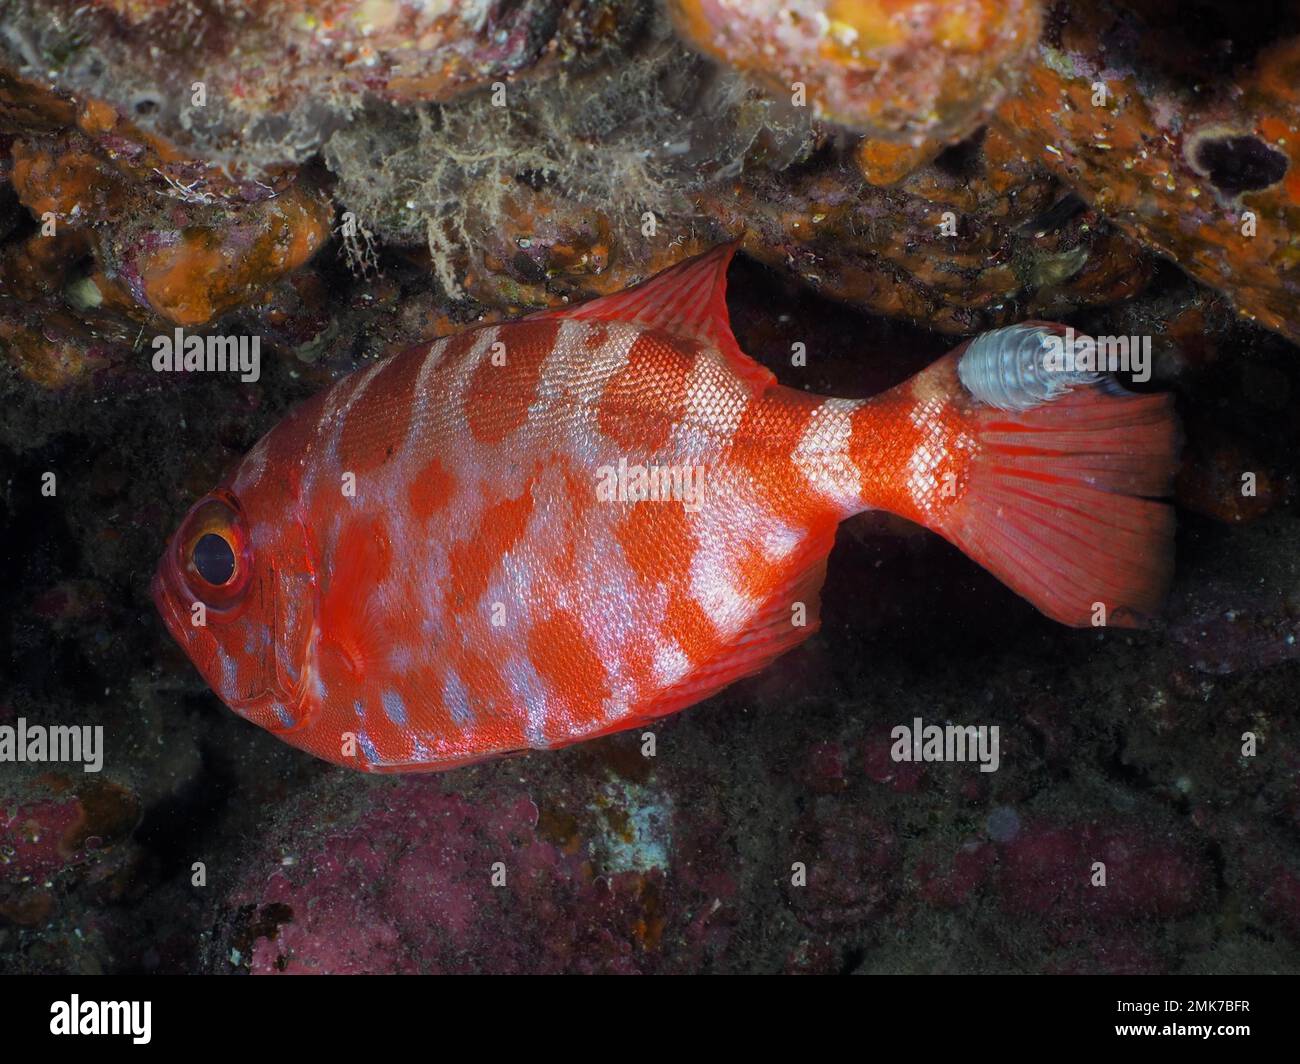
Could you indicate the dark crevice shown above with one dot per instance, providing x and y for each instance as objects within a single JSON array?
[{"x": 1237, "y": 164}]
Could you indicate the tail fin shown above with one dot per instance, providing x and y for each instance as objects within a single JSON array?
[{"x": 1054, "y": 498}]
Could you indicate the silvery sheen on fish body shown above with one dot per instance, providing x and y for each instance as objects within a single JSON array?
[{"x": 574, "y": 523}]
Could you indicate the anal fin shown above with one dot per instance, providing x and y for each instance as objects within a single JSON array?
[{"x": 772, "y": 632}]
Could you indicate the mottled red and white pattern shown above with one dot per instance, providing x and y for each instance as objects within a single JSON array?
[{"x": 474, "y": 594}]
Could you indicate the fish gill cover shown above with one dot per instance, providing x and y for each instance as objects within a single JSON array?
[{"x": 219, "y": 217}]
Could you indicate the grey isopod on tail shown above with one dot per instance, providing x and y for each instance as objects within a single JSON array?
[{"x": 1020, "y": 367}]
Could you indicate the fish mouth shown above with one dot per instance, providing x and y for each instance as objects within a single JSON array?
[
  {"x": 165, "y": 603},
  {"x": 274, "y": 702},
  {"x": 273, "y": 683},
  {"x": 168, "y": 602}
]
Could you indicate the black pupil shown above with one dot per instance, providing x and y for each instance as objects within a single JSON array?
[{"x": 214, "y": 559}]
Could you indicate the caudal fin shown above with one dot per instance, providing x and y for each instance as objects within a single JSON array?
[{"x": 1057, "y": 499}]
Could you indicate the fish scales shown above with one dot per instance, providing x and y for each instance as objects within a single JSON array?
[{"x": 538, "y": 532}]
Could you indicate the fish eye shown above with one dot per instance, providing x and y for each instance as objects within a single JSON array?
[
  {"x": 214, "y": 558},
  {"x": 213, "y": 551}
]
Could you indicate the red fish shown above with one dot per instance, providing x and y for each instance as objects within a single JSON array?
[{"x": 531, "y": 534}]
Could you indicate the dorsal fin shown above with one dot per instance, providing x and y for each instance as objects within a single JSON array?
[{"x": 689, "y": 300}]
